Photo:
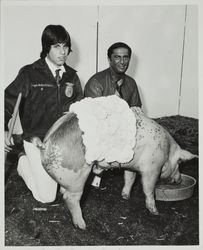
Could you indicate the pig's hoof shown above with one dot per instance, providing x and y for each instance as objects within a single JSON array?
[
  {"x": 125, "y": 196},
  {"x": 153, "y": 211},
  {"x": 80, "y": 224}
]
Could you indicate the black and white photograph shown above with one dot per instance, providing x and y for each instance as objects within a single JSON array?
[{"x": 101, "y": 115}]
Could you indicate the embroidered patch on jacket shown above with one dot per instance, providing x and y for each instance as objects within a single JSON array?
[{"x": 69, "y": 89}]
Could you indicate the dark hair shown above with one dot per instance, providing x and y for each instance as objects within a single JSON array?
[
  {"x": 118, "y": 45},
  {"x": 53, "y": 34}
]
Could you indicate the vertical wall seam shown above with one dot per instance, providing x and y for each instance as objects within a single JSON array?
[
  {"x": 182, "y": 61},
  {"x": 97, "y": 40}
]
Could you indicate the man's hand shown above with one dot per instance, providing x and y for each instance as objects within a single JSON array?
[
  {"x": 8, "y": 143},
  {"x": 136, "y": 109}
]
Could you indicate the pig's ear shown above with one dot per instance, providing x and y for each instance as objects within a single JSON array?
[{"x": 186, "y": 155}]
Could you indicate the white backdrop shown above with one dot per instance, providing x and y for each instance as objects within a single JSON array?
[
  {"x": 189, "y": 89},
  {"x": 155, "y": 34},
  {"x": 22, "y": 27}
]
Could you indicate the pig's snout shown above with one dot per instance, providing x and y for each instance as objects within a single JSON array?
[{"x": 176, "y": 179}]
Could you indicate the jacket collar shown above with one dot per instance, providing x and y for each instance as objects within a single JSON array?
[
  {"x": 114, "y": 76},
  {"x": 53, "y": 67},
  {"x": 41, "y": 64}
]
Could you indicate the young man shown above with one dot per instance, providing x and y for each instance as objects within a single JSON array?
[
  {"x": 48, "y": 86},
  {"x": 113, "y": 80}
]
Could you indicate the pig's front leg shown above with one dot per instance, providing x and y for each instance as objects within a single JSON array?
[
  {"x": 129, "y": 178},
  {"x": 148, "y": 182}
]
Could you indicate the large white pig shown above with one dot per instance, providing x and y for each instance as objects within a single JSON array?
[{"x": 156, "y": 155}]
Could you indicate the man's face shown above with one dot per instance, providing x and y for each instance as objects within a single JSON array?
[
  {"x": 58, "y": 53},
  {"x": 119, "y": 60}
]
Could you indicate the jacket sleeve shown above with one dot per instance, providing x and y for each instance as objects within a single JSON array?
[
  {"x": 79, "y": 92},
  {"x": 11, "y": 94},
  {"x": 135, "y": 99},
  {"x": 93, "y": 88}
]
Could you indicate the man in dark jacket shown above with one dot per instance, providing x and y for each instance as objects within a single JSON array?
[
  {"x": 48, "y": 86},
  {"x": 44, "y": 98},
  {"x": 113, "y": 80}
]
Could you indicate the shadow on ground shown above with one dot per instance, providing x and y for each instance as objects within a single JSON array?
[{"x": 110, "y": 219}]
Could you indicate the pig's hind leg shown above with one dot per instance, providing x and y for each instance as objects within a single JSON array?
[
  {"x": 72, "y": 200},
  {"x": 149, "y": 179},
  {"x": 72, "y": 192}
]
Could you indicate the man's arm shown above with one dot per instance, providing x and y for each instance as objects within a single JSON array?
[
  {"x": 79, "y": 92},
  {"x": 93, "y": 88},
  {"x": 135, "y": 99},
  {"x": 20, "y": 84},
  {"x": 10, "y": 98}
]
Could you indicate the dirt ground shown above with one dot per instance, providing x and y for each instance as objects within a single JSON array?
[{"x": 110, "y": 219}]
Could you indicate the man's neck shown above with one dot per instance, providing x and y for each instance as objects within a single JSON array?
[
  {"x": 116, "y": 76},
  {"x": 53, "y": 67}
]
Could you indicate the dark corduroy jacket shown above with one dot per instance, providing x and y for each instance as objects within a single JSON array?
[{"x": 43, "y": 101}]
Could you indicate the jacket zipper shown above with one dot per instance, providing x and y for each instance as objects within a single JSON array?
[{"x": 58, "y": 100}]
